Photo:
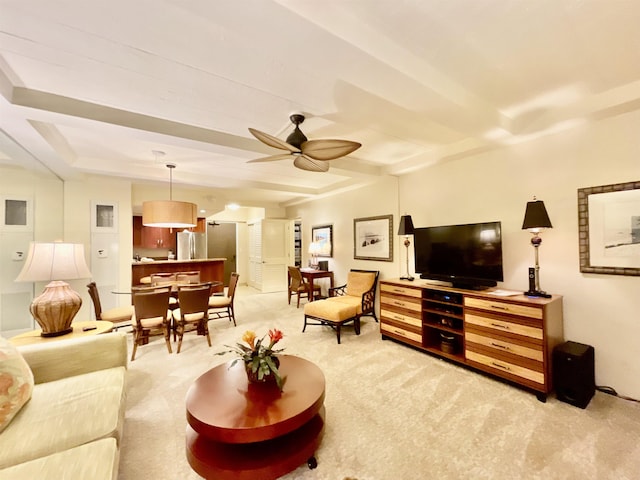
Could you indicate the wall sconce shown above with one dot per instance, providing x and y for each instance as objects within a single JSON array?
[
  {"x": 406, "y": 229},
  {"x": 536, "y": 219}
]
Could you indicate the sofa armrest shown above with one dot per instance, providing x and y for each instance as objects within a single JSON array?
[
  {"x": 338, "y": 291},
  {"x": 66, "y": 358}
]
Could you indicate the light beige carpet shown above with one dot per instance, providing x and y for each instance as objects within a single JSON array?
[{"x": 391, "y": 412}]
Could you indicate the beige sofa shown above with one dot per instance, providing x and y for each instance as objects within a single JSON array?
[{"x": 72, "y": 425}]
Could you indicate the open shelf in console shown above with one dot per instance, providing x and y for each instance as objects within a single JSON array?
[{"x": 442, "y": 322}]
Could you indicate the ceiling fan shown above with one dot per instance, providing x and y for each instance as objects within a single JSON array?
[{"x": 310, "y": 155}]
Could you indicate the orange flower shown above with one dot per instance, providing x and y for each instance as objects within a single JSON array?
[
  {"x": 249, "y": 337},
  {"x": 275, "y": 335}
]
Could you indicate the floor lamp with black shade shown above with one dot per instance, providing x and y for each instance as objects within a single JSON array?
[
  {"x": 406, "y": 229},
  {"x": 536, "y": 219}
]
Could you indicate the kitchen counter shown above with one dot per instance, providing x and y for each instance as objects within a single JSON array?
[
  {"x": 211, "y": 269},
  {"x": 197, "y": 260}
]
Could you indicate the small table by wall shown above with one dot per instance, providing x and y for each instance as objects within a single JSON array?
[
  {"x": 93, "y": 328},
  {"x": 311, "y": 274},
  {"x": 239, "y": 431}
]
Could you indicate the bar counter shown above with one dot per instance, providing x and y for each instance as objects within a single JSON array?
[{"x": 211, "y": 269}]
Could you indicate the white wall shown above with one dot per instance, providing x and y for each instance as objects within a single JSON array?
[
  {"x": 78, "y": 198},
  {"x": 380, "y": 198},
  {"x": 599, "y": 310}
]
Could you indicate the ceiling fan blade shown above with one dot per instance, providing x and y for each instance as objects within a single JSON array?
[
  {"x": 273, "y": 141},
  {"x": 272, "y": 158},
  {"x": 328, "y": 149},
  {"x": 305, "y": 163}
]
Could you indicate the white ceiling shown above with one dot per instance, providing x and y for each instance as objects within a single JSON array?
[{"x": 96, "y": 86}]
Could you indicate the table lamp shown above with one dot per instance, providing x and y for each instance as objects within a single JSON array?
[
  {"x": 314, "y": 250},
  {"x": 406, "y": 229},
  {"x": 55, "y": 308},
  {"x": 536, "y": 219}
]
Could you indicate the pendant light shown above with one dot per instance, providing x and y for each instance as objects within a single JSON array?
[{"x": 169, "y": 213}]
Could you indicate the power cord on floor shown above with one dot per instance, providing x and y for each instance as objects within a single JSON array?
[{"x": 611, "y": 391}]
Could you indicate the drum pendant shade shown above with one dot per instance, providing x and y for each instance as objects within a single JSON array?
[{"x": 169, "y": 213}]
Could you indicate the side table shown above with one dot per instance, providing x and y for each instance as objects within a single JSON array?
[{"x": 33, "y": 336}]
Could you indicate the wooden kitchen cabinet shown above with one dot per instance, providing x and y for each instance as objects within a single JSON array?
[{"x": 153, "y": 237}]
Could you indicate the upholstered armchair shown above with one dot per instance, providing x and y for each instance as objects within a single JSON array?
[{"x": 360, "y": 291}]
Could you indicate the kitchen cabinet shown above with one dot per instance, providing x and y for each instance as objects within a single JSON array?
[{"x": 153, "y": 237}]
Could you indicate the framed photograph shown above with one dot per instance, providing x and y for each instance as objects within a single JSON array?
[
  {"x": 609, "y": 229},
  {"x": 373, "y": 238},
  {"x": 322, "y": 238},
  {"x": 16, "y": 213},
  {"x": 104, "y": 217}
]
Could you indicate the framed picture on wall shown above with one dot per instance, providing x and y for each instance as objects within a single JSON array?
[
  {"x": 104, "y": 217},
  {"x": 609, "y": 229},
  {"x": 373, "y": 238},
  {"x": 322, "y": 241}
]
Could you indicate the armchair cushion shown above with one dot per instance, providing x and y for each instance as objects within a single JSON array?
[
  {"x": 358, "y": 283},
  {"x": 16, "y": 382}
]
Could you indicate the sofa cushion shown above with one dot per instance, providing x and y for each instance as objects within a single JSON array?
[
  {"x": 66, "y": 413},
  {"x": 16, "y": 382},
  {"x": 95, "y": 460},
  {"x": 358, "y": 283}
]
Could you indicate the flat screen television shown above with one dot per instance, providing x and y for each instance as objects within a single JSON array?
[{"x": 468, "y": 256}]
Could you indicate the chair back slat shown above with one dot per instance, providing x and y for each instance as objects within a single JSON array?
[
  {"x": 95, "y": 298},
  {"x": 194, "y": 298},
  {"x": 151, "y": 303}
]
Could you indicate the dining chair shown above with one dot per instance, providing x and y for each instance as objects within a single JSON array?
[
  {"x": 152, "y": 315},
  {"x": 193, "y": 311},
  {"x": 222, "y": 306},
  {"x": 300, "y": 287},
  {"x": 119, "y": 316},
  {"x": 188, "y": 277},
  {"x": 161, "y": 279}
]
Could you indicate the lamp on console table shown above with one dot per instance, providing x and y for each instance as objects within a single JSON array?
[
  {"x": 56, "y": 307},
  {"x": 314, "y": 250},
  {"x": 406, "y": 229},
  {"x": 536, "y": 219}
]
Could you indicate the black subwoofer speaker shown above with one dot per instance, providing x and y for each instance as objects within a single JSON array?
[{"x": 574, "y": 373}]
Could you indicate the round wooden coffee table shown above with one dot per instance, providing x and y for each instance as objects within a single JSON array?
[{"x": 238, "y": 430}]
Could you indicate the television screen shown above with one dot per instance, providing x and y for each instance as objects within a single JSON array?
[{"x": 468, "y": 256}]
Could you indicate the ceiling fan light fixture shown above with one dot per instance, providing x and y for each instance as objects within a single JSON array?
[
  {"x": 309, "y": 155},
  {"x": 169, "y": 213}
]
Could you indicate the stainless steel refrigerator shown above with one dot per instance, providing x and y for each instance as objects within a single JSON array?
[{"x": 191, "y": 245}]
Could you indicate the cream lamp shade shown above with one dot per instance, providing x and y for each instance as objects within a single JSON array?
[
  {"x": 169, "y": 213},
  {"x": 56, "y": 307}
]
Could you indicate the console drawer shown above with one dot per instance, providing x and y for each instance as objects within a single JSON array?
[
  {"x": 398, "y": 290},
  {"x": 415, "y": 305},
  {"x": 394, "y": 330},
  {"x": 399, "y": 317},
  {"x": 503, "y": 307},
  {"x": 505, "y": 346},
  {"x": 505, "y": 367},
  {"x": 504, "y": 326}
]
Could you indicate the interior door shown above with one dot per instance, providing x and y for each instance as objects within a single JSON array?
[
  {"x": 221, "y": 241},
  {"x": 269, "y": 248}
]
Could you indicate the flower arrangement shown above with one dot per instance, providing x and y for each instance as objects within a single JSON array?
[{"x": 259, "y": 360}]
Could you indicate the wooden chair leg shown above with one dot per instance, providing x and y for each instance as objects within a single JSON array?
[
  {"x": 206, "y": 331},
  {"x": 180, "y": 335},
  {"x": 232, "y": 314},
  {"x": 167, "y": 338},
  {"x": 338, "y": 325},
  {"x": 356, "y": 325},
  {"x": 305, "y": 324}
]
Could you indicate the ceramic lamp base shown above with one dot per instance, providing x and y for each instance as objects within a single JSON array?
[{"x": 55, "y": 309}]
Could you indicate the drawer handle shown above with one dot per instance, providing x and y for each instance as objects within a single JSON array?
[
  {"x": 504, "y": 367},
  {"x": 398, "y": 290},
  {"x": 504, "y": 347},
  {"x": 499, "y": 325},
  {"x": 399, "y": 332},
  {"x": 398, "y": 317},
  {"x": 497, "y": 307},
  {"x": 399, "y": 304}
]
